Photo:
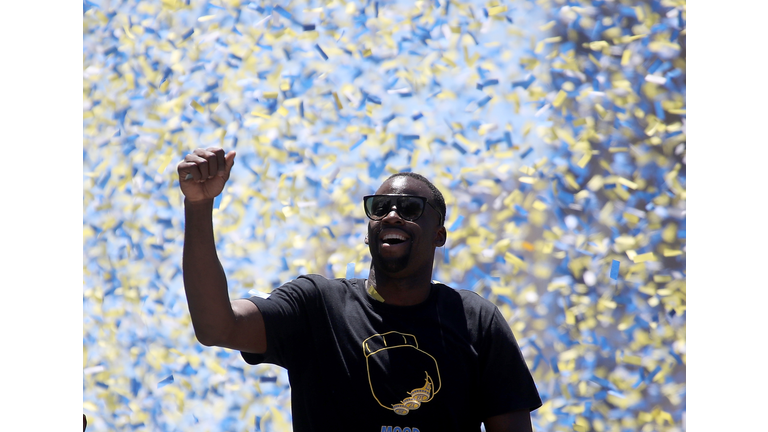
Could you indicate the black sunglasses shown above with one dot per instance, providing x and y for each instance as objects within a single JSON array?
[{"x": 408, "y": 207}]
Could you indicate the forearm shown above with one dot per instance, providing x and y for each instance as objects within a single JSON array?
[{"x": 205, "y": 282}]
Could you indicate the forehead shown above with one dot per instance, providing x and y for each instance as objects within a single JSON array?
[{"x": 403, "y": 185}]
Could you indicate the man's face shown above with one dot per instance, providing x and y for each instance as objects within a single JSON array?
[{"x": 399, "y": 247}]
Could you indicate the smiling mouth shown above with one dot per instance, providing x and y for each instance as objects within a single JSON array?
[{"x": 393, "y": 239}]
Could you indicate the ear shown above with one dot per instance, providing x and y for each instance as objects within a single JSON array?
[
  {"x": 440, "y": 237},
  {"x": 366, "y": 239}
]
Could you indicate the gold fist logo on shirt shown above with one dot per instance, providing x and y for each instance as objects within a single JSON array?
[{"x": 402, "y": 377}]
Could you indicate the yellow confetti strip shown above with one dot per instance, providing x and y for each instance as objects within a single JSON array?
[
  {"x": 199, "y": 108},
  {"x": 644, "y": 257},
  {"x": 496, "y": 10},
  {"x": 338, "y": 101},
  {"x": 559, "y": 99}
]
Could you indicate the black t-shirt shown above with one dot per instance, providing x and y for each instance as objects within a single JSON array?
[{"x": 357, "y": 364}]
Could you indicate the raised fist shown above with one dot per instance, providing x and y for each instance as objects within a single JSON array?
[{"x": 203, "y": 173}]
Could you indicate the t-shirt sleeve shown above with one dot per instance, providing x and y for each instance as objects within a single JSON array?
[
  {"x": 506, "y": 383},
  {"x": 286, "y": 314}
]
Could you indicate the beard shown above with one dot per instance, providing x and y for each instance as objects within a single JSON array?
[{"x": 390, "y": 265}]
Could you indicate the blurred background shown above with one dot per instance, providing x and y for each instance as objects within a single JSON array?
[{"x": 556, "y": 131}]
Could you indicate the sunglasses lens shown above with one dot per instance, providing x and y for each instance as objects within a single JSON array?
[
  {"x": 378, "y": 206},
  {"x": 410, "y": 208}
]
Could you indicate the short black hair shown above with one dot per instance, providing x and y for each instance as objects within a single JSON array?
[{"x": 437, "y": 196}]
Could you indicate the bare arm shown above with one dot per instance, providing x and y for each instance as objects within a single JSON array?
[
  {"x": 216, "y": 320},
  {"x": 515, "y": 421}
]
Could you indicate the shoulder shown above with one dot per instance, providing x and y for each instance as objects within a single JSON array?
[
  {"x": 308, "y": 280},
  {"x": 317, "y": 283},
  {"x": 309, "y": 289},
  {"x": 480, "y": 316},
  {"x": 474, "y": 304},
  {"x": 322, "y": 282}
]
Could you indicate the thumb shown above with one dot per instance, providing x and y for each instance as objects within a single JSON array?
[{"x": 229, "y": 159}]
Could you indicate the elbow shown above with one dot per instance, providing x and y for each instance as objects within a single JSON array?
[
  {"x": 208, "y": 338},
  {"x": 205, "y": 340}
]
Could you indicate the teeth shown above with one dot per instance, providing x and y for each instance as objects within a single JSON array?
[{"x": 389, "y": 237}]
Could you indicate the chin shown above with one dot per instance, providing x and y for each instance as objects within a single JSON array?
[
  {"x": 394, "y": 266},
  {"x": 390, "y": 265}
]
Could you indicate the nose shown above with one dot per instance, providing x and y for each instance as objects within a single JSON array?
[{"x": 393, "y": 218}]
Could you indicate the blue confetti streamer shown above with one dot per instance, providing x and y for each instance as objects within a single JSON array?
[
  {"x": 322, "y": 53},
  {"x": 167, "y": 380},
  {"x": 614, "y": 270}
]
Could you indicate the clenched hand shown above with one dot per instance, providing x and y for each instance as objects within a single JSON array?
[{"x": 203, "y": 173}]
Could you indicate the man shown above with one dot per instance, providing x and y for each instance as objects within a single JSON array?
[{"x": 392, "y": 353}]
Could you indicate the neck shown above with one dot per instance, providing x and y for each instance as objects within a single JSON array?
[{"x": 406, "y": 291}]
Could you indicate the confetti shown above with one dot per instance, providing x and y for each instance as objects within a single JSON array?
[
  {"x": 614, "y": 269},
  {"x": 558, "y": 142},
  {"x": 322, "y": 53}
]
